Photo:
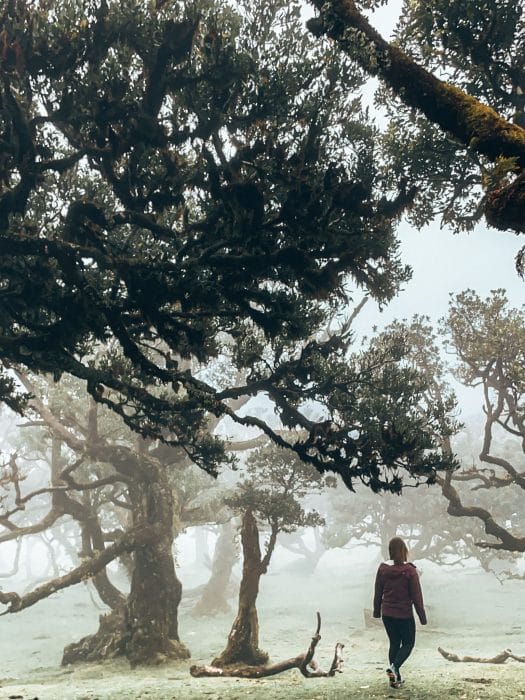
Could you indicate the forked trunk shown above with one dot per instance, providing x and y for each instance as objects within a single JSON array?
[{"x": 145, "y": 628}]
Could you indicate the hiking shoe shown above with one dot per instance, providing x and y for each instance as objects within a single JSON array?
[{"x": 391, "y": 677}]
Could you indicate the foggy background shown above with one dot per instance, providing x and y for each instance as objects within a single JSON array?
[{"x": 471, "y": 609}]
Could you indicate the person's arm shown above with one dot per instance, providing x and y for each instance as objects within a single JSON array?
[
  {"x": 378, "y": 594},
  {"x": 416, "y": 596}
]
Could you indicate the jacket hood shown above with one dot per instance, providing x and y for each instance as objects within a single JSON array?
[{"x": 397, "y": 570}]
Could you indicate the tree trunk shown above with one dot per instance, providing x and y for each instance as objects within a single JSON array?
[
  {"x": 202, "y": 554},
  {"x": 152, "y": 605},
  {"x": 214, "y": 595},
  {"x": 145, "y": 628},
  {"x": 243, "y": 640},
  {"x": 92, "y": 541},
  {"x": 108, "y": 641}
]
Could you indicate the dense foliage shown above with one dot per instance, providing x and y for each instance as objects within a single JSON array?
[
  {"x": 480, "y": 47},
  {"x": 454, "y": 97},
  {"x": 184, "y": 183}
]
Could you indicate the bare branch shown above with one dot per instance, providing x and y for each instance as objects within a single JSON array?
[
  {"x": 498, "y": 659},
  {"x": 507, "y": 541},
  {"x": 87, "y": 569},
  {"x": 304, "y": 662},
  {"x": 47, "y": 521}
]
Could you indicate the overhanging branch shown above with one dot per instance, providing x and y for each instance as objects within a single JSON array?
[
  {"x": 86, "y": 570},
  {"x": 473, "y": 123},
  {"x": 507, "y": 541}
]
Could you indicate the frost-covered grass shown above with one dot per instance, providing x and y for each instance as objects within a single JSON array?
[{"x": 469, "y": 613}]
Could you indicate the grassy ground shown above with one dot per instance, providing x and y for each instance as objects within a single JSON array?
[
  {"x": 430, "y": 679},
  {"x": 469, "y": 613}
]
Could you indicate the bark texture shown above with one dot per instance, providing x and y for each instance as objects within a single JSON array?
[
  {"x": 473, "y": 123},
  {"x": 145, "y": 628},
  {"x": 152, "y": 605},
  {"x": 243, "y": 641}
]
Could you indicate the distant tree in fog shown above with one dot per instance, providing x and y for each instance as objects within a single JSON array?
[
  {"x": 488, "y": 340},
  {"x": 214, "y": 594},
  {"x": 418, "y": 515},
  {"x": 466, "y": 159}
]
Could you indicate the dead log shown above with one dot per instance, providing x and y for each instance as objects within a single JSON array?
[
  {"x": 304, "y": 662},
  {"x": 498, "y": 659}
]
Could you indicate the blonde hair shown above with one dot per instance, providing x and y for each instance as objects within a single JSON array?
[{"x": 397, "y": 550}]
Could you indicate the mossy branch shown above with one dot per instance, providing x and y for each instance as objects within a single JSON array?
[{"x": 476, "y": 125}]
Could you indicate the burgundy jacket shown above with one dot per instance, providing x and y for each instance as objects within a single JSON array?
[{"x": 396, "y": 590}]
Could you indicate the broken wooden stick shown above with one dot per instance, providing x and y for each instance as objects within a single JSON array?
[
  {"x": 304, "y": 662},
  {"x": 498, "y": 659}
]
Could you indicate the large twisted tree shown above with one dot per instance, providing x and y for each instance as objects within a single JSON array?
[
  {"x": 487, "y": 338},
  {"x": 124, "y": 496}
]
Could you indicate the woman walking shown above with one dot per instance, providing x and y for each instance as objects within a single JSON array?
[{"x": 397, "y": 589}]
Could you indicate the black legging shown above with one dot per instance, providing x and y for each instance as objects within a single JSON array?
[{"x": 402, "y": 635}]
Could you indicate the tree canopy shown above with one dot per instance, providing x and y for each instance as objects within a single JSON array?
[
  {"x": 184, "y": 183},
  {"x": 487, "y": 339}
]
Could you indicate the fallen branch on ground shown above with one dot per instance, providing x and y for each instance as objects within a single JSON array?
[
  {"x": 304, "y": 662},
  {"x": 498, "y": 659}
]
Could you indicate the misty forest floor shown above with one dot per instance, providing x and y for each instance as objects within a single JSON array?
[{"x": 469, "y": 613}]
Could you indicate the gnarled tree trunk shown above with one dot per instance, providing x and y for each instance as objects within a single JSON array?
[
  {"x": 243, "y": 640},
  {"x": 145, "y": 627},
  {"x": 152, "y": 605}
]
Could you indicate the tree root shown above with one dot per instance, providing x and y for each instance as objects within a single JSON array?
[
  {"x": 107, "y": 643},
  {"x": 498, "y": 659},
  {"x": 112, "y": 640},
  {"x": 304, "y": 662}
]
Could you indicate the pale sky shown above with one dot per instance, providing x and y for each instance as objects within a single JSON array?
[{"x": 444, "y": 262}]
